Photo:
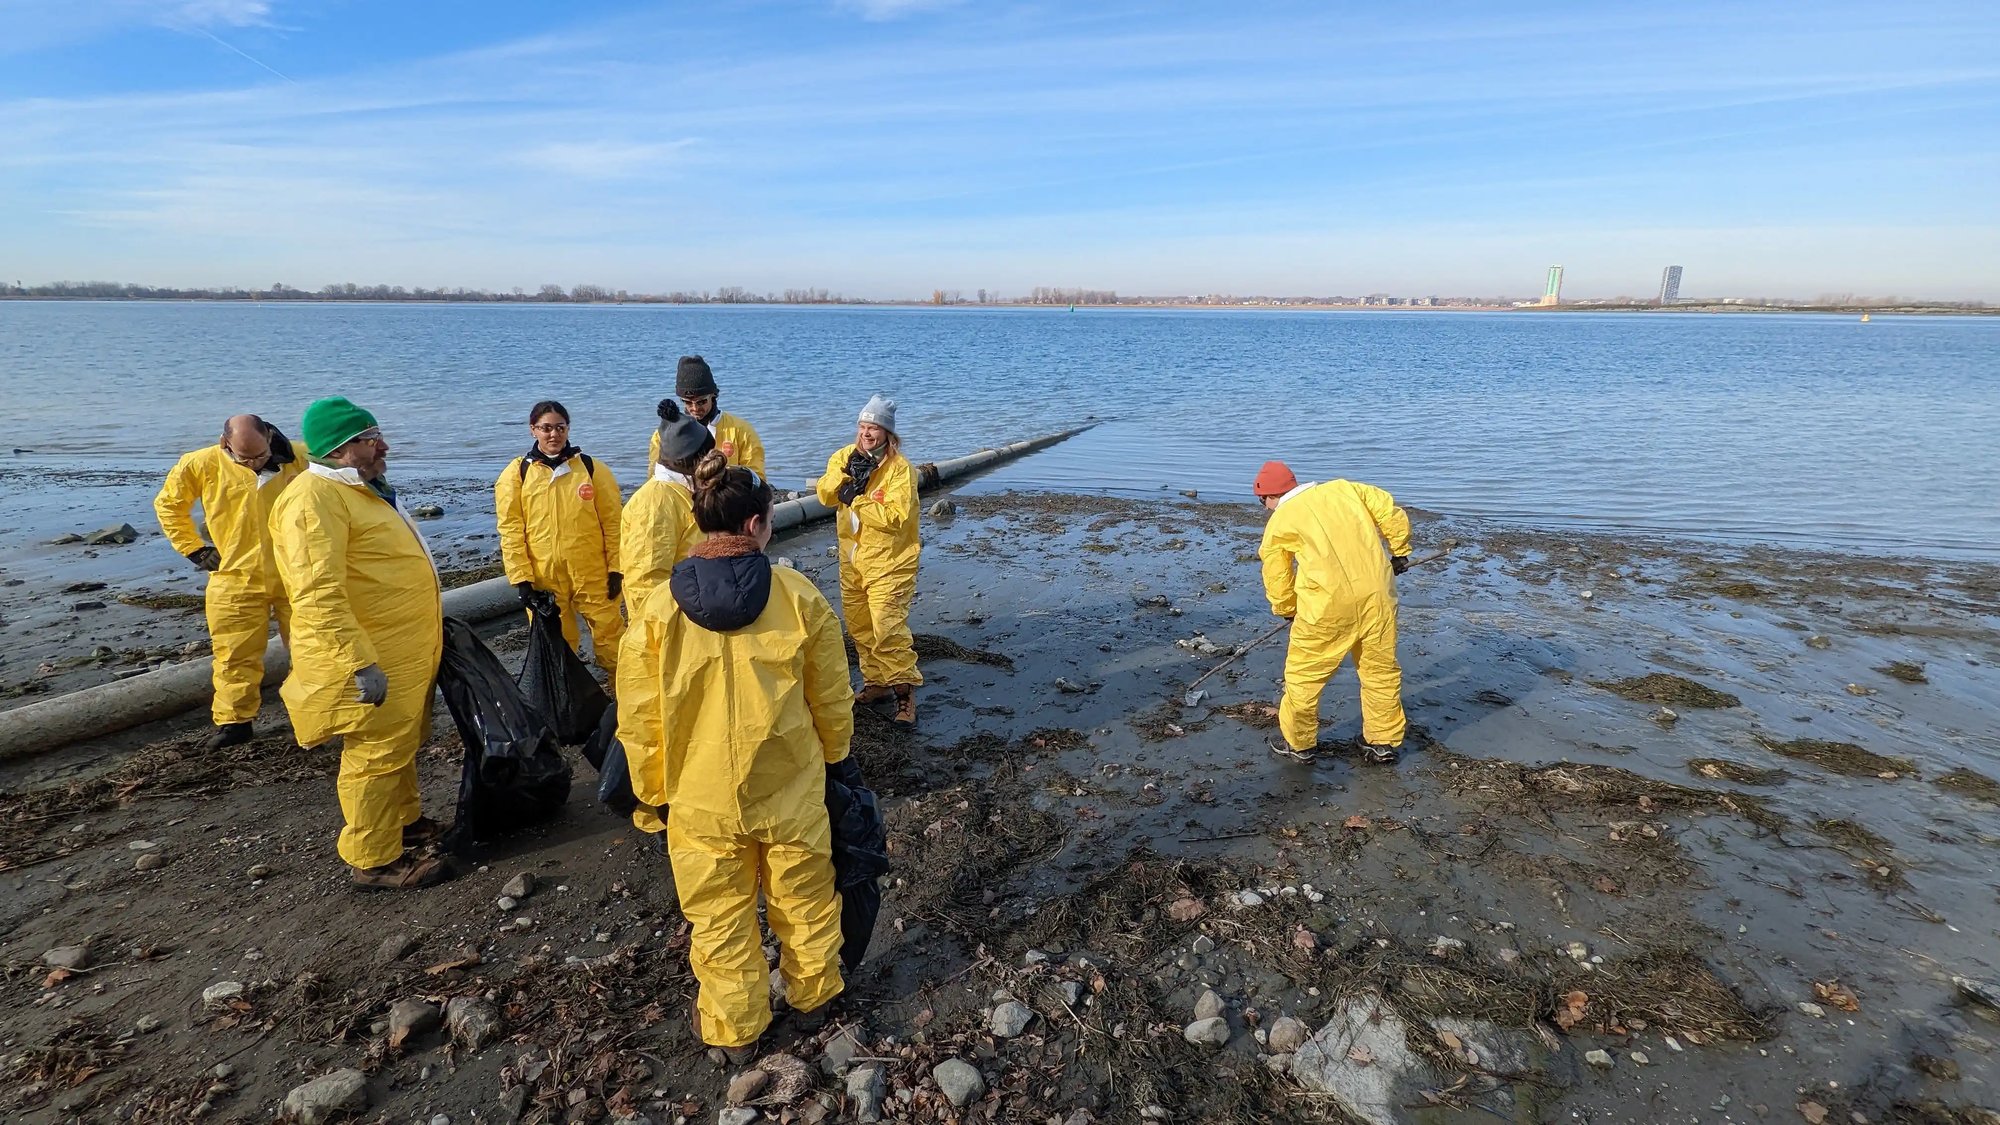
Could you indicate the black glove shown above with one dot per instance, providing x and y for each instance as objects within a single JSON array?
[
  {"x": 614, "y": 583},
  {"x": 846, "y": 771},
  {"x": 849, "y": 492},
  {"x": 526, "y": 592},
  {"x": 860, "y": 465},
  {"x": 207, "y": 558},
  {"x": 1399, "y": 563}
]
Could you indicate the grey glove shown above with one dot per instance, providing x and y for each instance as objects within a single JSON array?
[
  {"x": 371, "y": 686},
  {"x": 207, "y": 558}
]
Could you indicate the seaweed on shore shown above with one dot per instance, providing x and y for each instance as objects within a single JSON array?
[
  {"x": 1724, "y": 770},
  {"x": 1970, "y": 783},
  {"x": 1843, "y": 758},
  {"x": 1907, "y": 671},
  {"x": 1665, "y": 687},
  {"x": 150, "y": 599}
]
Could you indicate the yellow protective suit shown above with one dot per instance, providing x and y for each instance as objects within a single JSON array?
[
  {"x": 878, "y": 566},
  {"x": 559, "y": 530},
  {"x": 658, "y": 532},
  {"x": 363, "y": 591},
  {"x": 733, "y": 436},
  {"x": 1324, "y": 568},
  {"x": 732, "y": 732},
  {"x": 244, "y": 592}
]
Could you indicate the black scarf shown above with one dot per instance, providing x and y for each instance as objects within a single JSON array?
[{"x": 535, "y": 454}]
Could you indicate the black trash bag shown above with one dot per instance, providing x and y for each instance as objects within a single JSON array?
[
  {"x": 614, "y": 776},
  {"x": 514, "y": 774},
  {"x": 860, "y": 856},
  {"x": 554, "y": 679}
]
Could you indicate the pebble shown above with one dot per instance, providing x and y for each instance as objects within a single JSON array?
[
  {"x": 142, "y": 845},
  {"x": 68, "y": 957},
  {"x": 520, "y": 886},
  {"x": 441, "y": 1119},
  {"x": 1598, "y": 1059},
  {"x": 1287, "y": 1035},
  {"x": 394, "y": 948},
  {"x": 1279, "y": 1063},
  {"x": 736, "y": 1115},
  {"x": 865, "y": 1086},
  {"x": 840, "y": 1051},
  {"x": 1208, "y": 1005},
  {"x": 328, "y": 1097},
  {"x": 223, "y": 1071},
  {"x": 473, "y": 1021},
  {"x": 1249, "y": 898},
  {"x": 410, "y": 1017},
  {"x": 1034, "y": 957},
  {"x": 960, "y": 1080},
  {"x": 747, "y": 1085},
  {"x": 1442, "y": 947},
  {"x": 147, "y": 1024},
  {"x": 1010, "y": 1019},
  {"x": 1640, "y": 1058},
  {"x": 260, "y": 871},
  {"x": 1578, "y": 951},
  {"x": 219, "y": 994},
  {"x": 506, "y": 902},
  {"x": 1673, "y": 1044},
  {"x": 1212, "y": 1032},
  {"x": 522, "y": 922},
  {"x": 1203, "y": 944},
  {"x": 151, "y": 861},
  {"x": 1813, "y": 1010}
]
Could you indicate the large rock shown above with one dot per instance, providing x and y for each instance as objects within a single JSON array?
[
  {"x": 118, "y": 533},
  {"x": 1010, "y": 1019},
  {"x": 327, "y": 1097},
  {"x": 1211, "y": 1032},
  {"x": 865, "y": 1086},
  {"x": 1208, "y": 1005},
  {"x": 1363, "y": 1059},
  {"x": 473, "y": 1020},
  {"x": 960, "y": 1081},
  {"x": 520, "y": 886},
  {"x": 68, "y": 956}
]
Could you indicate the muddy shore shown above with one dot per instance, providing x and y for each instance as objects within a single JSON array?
[{"x": 1723, "y": 814}]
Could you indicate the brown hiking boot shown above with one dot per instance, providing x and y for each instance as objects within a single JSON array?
[
  {"x": 408, "y": 873},
  {"x": 731, "y": 1056},
  {"x": 421, "y": 831},
  {"x": 906, "y": 706},
  {"x": 872, "y": 694}
]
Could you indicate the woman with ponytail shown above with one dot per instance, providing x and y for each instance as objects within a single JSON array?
[{"x": 734, "y": 707}]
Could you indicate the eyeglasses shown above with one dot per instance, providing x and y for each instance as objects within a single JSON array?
[
  {"x": 372, "y": 433},
  {"x": 247, "y": 462},
  {"x": 701, "y": 403},
  {"x": 551, "y": 428}
]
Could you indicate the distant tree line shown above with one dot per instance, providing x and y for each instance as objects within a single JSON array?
[{"x": 349, "y": 291}]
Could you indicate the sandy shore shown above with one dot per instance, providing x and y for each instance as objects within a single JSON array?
[{"x": 1723, "y": 814}]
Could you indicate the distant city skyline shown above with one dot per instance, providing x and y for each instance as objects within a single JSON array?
[{"x": 894, "y": 147}]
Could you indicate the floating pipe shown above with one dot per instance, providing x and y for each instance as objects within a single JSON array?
[{"x": 151, "y": 696}]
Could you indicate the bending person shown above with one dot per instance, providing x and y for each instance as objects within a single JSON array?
[
  {"x": 694, "y": 385},
  {"x": 367, "y": 632},
  {"x": 734, "y": 706},
  {"x": 1325, "y": 572},
  {"x": 235, "y": 481},
  {"x": 875, "y": 491},
  {"x": 557, "y": 512}
]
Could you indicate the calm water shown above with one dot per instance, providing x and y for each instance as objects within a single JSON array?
[{"x": 1796, "y": 428}]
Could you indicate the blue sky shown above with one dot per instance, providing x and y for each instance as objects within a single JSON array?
[{"x": 888, "y": 147}]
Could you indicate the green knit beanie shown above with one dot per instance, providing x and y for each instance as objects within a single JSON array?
[{"x": 331, "y": 423}]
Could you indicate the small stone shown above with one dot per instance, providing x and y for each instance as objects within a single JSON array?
[
  {"x": 865, "y": 1087},
  {"x": 1640, "y": 1058},
  {"x": 411, "y": 1017},
  {"x": 1249, "y": 898},
  {"x": 328, "y": 1097},
  {"x": 746, "y": 1086},
  {"x": 141, "y": 845},
  {"x": 393, "y": 948},
  {"x": 427, "y": 512},
  {"x": 1208, "y": 1005},
  {"x": 840, "y": 1051},
  {"x": 1673, "y": 1044},
  {"x": 520, "y": 886},
  {"x": 943, "y": 509},
  {"x": 1278, "y": 1064},
  {"x": 146, "y": 1025},
  {"x": 1202, "y": 945},
  {"x": 1072, "y": 992},
  {"x": 960, "y": 1080},
  {"x": 1446, "y": 947},
  {"x": 1212, "y": 1032},
  {"x": 71, "y": 957},
  {"x": 473, "y": 1020},
  {"x": 1010, "y": 1019},
  {"x": 1577, "y": 951},
  {"x": 736, "y": 1115},
  {"x": 1287, "y": 1035},
  {"x": 1601, "y": 1059},
  {"x": 221, "y": 994},
  {"x": 1155, "y": 1113},
  {"x": 1813, "y": 1010},
  {"x": 1034, "y": 957},
  {"x": 150, "y": 861},
  {"x": 523, "y": 922},
  {"x": 506, "y": 902},
  {"x": 441, "y": 1119},
  {"x": 1819, "y": 641},
  {"x": 260, "y": 871}
]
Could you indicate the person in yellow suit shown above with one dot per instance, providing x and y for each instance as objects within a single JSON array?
[
  {"x": 367, "y": 632},
  {"x": 235, "y": 481},
  {"x": 694, "y": 385},
  {"x": 558, "y": 514},
  {"x": 1325, "y": 572},
  {"x": 734, "y": 707},
  {"x": 874, "y": 491},
  {"x": 659, "y": 531}
]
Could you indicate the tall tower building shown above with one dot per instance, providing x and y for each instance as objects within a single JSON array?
[
  {"x": 1552, "y": 293},
  {"x": 1670, "y": 285}
]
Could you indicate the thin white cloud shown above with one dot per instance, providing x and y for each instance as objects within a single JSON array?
[
  {"x": 883, "y": 10},
  {"x": 602, "y": 160},
  {"x": 219, "y": 13}
]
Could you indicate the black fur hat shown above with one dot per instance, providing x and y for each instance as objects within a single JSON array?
[{"x": 694, "y": 379}]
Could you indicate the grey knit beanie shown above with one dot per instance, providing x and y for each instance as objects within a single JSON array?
[
  {"x": 682, "y": 439},
  {"x": 880, "y": 411}
]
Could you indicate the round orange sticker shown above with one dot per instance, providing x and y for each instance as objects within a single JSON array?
[
  {"x": 728, "y": 448},
  {"x": 585, "y": 492},
  {"x": 876, "y": 496}
]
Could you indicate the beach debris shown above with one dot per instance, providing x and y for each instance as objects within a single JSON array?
[
  {"x": 1819, "y": 641},
  {"x": 1666, "y": 717},
  {"x": 1665, "y": 687},
  {"x": 960, "y": 1081},
  {"x": 1199, "y": 644},
  {"x": 327, "y": 1097},
  {"x": 222, "y": 994},
  {"x": 65, "y": 539},
  {"x": 1908, "y": 671},
  {"x": 116, "y": 535},
  {"x": 427, "y": 512},
  {"x": 1572, "y": 1012},
  {"x": 944, "y": 509},
  {"x": 1857, "y": 689},
  {"x": 1193, "y": 698},
  {"x": 1811, "y": 1009},
  {"x": 1843, "y": 758},
  {"x": 1812, "y": 1111},
  {"x": 1070, "y": 687},
  {"x": 1186, "y": 909},
  {"x": 1836, "y": 994},
  {"x": 83, "y": 587},
  {"x": 1970, "y": 783},
  {"x": 1980, "y": 992}
]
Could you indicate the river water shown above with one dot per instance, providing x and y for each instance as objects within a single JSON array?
[{"x": 1802, "y": 429}]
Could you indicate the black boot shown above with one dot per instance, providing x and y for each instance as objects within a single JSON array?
[{"x": 229, "y": 734}]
